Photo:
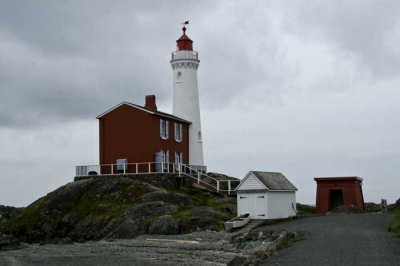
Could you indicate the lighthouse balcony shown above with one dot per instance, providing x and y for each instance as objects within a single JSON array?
[{"x": 185, "y": 55}]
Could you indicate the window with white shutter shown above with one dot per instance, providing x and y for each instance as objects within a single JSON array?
[
  {"x": 166, "y": 129},
  {"x": 178, "y": 132},
  {"x": 163, "y": 129}
]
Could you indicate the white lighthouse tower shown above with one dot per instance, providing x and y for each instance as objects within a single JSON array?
[{"x": 186, "y": 105}]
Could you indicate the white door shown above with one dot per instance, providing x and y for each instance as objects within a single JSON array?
[
  {"x": 244, "y": 204},
  {"x": 258, "y": 206}
]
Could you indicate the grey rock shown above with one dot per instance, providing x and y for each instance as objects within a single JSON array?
[
  {"x": 135, "y": 222},
  {"x": 164, "y": 225},
  {"x": 208, "y": 212},
  {"x": 237, "y": 261},
  {"x": 170, "y": 197},
  {"x": 66, "y": 240},
  {"x": 194, "y": 224},
  {"x": 8, "y": 242},
  {"x": 7, "y": 212}
]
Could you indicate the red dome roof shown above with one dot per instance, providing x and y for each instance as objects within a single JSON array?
[{"x": 184, "y": 43}]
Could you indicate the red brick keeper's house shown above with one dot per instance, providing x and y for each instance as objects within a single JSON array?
[{"x": 137, "y": 134}]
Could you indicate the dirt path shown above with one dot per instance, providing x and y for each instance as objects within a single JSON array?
[{"x": 357, "y": 239}]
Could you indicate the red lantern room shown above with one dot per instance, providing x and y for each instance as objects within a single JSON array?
[{"x": 184, "y": 43}]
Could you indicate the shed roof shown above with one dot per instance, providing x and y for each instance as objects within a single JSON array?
[
  {"x": 272, "y": 181},
  {"x": 158, "y": 113}
]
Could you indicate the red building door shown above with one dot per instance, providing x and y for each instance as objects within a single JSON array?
[{"x": 335, "y": 198}]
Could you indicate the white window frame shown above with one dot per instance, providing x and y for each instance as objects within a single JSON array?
[
  {"x": 164, "y": 129},
  {"x": 178, "y": 132}
]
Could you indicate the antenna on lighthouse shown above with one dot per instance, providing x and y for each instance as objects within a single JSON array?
[{"x": 185, "y": 23}]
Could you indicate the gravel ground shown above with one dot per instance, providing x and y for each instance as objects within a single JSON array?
[
  {"x": 202, "y": 248},
  {"x": 355, "y": 239}
]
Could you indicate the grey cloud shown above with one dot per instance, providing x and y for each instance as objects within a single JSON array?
[
  {"x": 72, "y": 60},
  {"x": 366, "y": 29},
  {"x": 311, "y": 81}
]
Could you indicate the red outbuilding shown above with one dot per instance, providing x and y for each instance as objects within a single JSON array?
[
  {"x": 333, "y": 192},
  {"x": 135, "y": 134}
]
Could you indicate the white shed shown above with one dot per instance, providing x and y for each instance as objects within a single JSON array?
[{"x": 266, "y": 195}]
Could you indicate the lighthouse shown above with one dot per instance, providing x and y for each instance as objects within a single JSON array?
[{"x": 185, "y": 62}]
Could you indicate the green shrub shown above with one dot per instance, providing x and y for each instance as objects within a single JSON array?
[
  {"x": 395, "y": 226},
  {"x": 303, "y": 208}
]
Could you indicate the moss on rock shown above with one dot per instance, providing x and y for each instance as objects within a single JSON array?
[{"x": 116, "y": 207}]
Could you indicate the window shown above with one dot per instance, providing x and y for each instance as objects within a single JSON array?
[
  {"x": 178, "y": 157},
  {"x": 179, "y": 76},
  {"x": 178, "y": 132},
  {"x": 166, "y": 157},
  {"x": 164, "y": 129}
]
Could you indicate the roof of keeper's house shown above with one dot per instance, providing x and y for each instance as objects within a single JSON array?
[
  {"x": 271, "y": 180},
  {"x": 149, "y": 108}
]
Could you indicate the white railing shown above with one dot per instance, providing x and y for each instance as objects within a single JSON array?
[
  {"x": 190, "y": 55},
  {"x": 204, "y": 179},
  {"x": 199, "y": 173},
  {"x": 130, "y": 168}
]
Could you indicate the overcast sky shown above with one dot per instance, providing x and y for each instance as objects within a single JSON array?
[{"x": 306, "y": 88}]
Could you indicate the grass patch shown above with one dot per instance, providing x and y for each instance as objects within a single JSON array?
[{"x": 395, "y": 226}]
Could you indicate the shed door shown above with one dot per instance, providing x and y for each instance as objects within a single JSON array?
[
  {"x": 259, "y": 206},
  {"x": 244, "y": 204}
]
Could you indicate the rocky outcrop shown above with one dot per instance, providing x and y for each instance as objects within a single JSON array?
[
  {"x": 193, "y": 224},
  {"x": 8, "y": 242},
  {"x": 165, "y": 181},
  {"x": 209, "y": 212},
  {"x": 6, "y": 212},
  {"x": 116, "y": 207},
  {"x": 135, "y": 220},
  {"x": 164, "y": 225},
  {"x": 261, "y": 244},
  {"x": 166, "y": 196}
]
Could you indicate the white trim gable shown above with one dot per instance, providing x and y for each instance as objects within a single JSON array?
[
  {"x": 251, "y": 182},
  {"x": 124, "y": 103},
  {"x": 158, "y": 113}
]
